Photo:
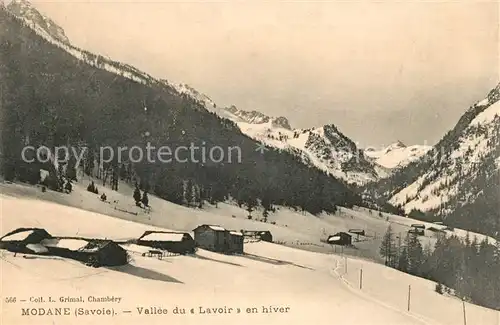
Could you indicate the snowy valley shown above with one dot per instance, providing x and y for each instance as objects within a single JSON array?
[
  {"x": 411, "y": 213},
  {"x": 314, "y": 286}
]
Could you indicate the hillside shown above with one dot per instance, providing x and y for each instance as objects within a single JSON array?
[
  {"x": 458, "y": 180},
  {"x": 316, "y": 287},
  {"x": 291, "y": 228},
  {"x": 54, "y": 94}
]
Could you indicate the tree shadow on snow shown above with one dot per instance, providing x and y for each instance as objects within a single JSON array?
[
  {"x": 214, "y": 260},
  {"x": 273, "y": 261},
  {"x": 144, "y": 273}
]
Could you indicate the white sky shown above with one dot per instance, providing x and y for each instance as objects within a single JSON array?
[{"x": 380, "y": 71}]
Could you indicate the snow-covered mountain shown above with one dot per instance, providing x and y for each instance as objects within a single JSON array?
[
  {"x": 54, "y": 34},
  {"x": 33, "y": 17},
  {"x": 324, "y": 147},
  {"x": 459, "y": 179},
  {"x": 396, "y": 155}
]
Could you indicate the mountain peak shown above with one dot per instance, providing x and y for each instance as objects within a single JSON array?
[
  {"x": 494, "y": 95},
  {"x": 281, "y": 122},
  {"x": 396, "y": 145},
  {"x": 256, "y": 117},
  {"x": 25, "y": 10}
]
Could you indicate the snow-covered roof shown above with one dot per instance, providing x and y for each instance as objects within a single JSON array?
[
  {"x": 71, "y": 244},
  {"x": 334, "y": 238},
  {"x": 22, "y": 235},
  {"x": 236, "y": 233},
  {"x": 135, "y": 248},
  {"x": 215, "y": 227},
  {"x": 160, "y": 236}
]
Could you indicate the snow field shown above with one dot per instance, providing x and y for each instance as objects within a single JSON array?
[{"x": 313, "y": 285}]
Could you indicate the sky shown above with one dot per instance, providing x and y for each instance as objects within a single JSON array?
[{"x": 381, "y": 71}]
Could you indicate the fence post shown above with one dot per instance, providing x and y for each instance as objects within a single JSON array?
[
  {"x": 409, "y": 296},
  {"x": 361, "y": 279},
  {"x": 345, "y": 265},
  {"x": 463, "y": 307}
]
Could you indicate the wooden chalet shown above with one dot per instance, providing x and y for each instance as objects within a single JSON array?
[
  {"x": 92, "y": 252},
  {"x": 174, "y": 242},
  {"x": 264, "y": 235},
  {"x": 340, "y": 238},
  {"x": 417, "y": 231},
  {"x": 211, "y": 237},
  {"x": 218, "y": 239}
]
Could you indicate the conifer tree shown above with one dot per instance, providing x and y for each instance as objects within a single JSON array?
[
  {"x": 137, "y": 195},
  {"x": 403, "y": 260},
  {"x": 145, "y": 199},
  {"x": 388, "y": 247},
  {"x": 415, "y": 253}
]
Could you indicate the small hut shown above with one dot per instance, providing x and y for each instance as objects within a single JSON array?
[
  {"x": 93, "y": 252},
  {"x": 104, "y": 253},
  {"x": 357, "y": 231},
  {"x": 264, "y": 235},
  {"x": 174, "y": 242},
  {"x": 340, "y": 238},
  {"x": 417, "y": 231}
]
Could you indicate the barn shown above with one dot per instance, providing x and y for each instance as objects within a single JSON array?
[
  {"x": 264, "y": 235},
  {"x": 92, "y": 252},
  {"x": 235, "y": 240},
  {"x": 25, "y": 240},
  {"x": 174, "y": 242},
  {"x": 104, "y": 253},
  {"x": 340, "y": 238},
  {"x": 211, "y": 237},
  {"x": 357, "y": 231},
  {"x": 417, "y": 231}
]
